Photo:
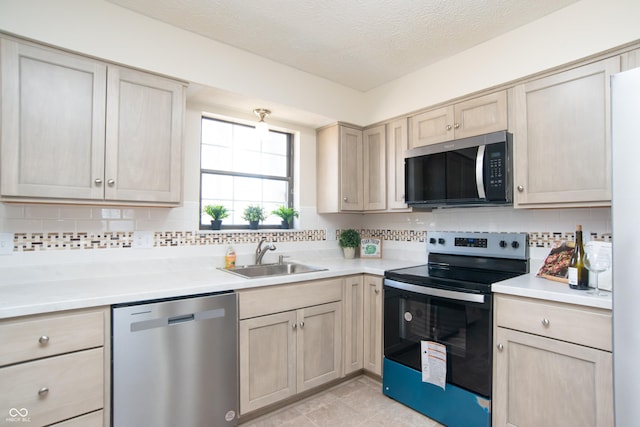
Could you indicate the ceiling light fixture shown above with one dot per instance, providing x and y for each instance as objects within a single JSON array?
[{"x": 262, "y": 128}]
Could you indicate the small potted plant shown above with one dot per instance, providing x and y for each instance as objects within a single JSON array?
[
  {"x": 287, "y": 215},
  {"x": 217, "y": 214},
  {"x": 349, "y": 240},
  {"x": 254, "y": 214}
]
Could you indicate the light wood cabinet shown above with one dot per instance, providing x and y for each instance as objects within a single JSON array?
[
  {"x": 552, "y": 364},
  {"x": 373, "y": 324},
  {"x": 477, "y": 116},
  {"x": 630, "y": 60},
  {"x": 76, "y": 129},
  {"x": 374, "y": 148},
  {"x": 397, "y": 144},
  {"x": 562, "y": 138},
  {"x": 353, "y": 304},
  {"x": 288, "y": 344},
  {"x": 351, "y": 169},
  {"x": 55, "y": 368}
]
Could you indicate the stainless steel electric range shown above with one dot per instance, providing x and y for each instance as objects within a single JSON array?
[{"x": 447, "y": 306}]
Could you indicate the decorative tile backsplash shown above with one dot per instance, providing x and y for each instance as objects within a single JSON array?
[{"x": 30, "y": 242}]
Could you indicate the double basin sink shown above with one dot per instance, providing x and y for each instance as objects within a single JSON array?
[{"x": 268, "y": 270}]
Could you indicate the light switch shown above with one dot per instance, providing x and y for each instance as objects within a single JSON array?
[
  {"x": 6, "y": 243},
  {"x": 142, "y": 240}
]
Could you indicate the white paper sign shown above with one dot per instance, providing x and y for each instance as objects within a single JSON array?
[{"x": 434, "y": 363}]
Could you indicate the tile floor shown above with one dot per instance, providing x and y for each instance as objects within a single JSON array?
[{"x": 357, "y": 402}]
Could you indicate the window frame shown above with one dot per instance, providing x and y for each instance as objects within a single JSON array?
[{"x": 288, "y": 179}]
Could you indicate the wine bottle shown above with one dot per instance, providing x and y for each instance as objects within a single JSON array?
[{"x": 578, "y": 273}]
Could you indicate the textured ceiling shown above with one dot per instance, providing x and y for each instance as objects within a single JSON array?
[{"x": 360, "y": 44}]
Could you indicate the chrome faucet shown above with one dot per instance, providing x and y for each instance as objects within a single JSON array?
[{"x": 260, "y": 251}]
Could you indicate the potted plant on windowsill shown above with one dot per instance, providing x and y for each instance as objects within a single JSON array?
[
  {"x": 287, "y": 215},
  {"x": 217, "y": 214},
  {"x": 254, "y": 214},
  {"x": 349, "y": 240}
]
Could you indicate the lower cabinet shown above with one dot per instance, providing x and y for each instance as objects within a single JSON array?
[
  {"x": 552, "y": 364},
  {"x": 373, "y": 324},
  {"x": 56, "y": 369},
  {"x": 286, "y": 352}
]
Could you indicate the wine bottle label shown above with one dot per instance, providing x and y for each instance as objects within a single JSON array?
[{"x": 573, "y": 276}]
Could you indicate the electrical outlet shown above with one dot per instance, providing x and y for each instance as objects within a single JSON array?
[
  {"x": 6, "y": 243},
  {"x": 142, "y": 240}
]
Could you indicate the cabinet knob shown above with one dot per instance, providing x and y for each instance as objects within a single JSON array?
[
  {"x": 456, "y": 126},
  {"x": 294, "y": 326},
  {"x": 520, "y": 188},
  {"x": 301, "y": 325},
  {"x": 448, "y": 127},
  {"x": 377, "y": 291},
  {"x": 111, "y": 182},
  {"x": 43, "y": 340},
  {"x": 345, "y": 199},
  {"x": 545, "y": 322},
  {"x": 500, "y": 347},
  {"x": 98, "y": 181},
  {"x": 43, "y": 391}
]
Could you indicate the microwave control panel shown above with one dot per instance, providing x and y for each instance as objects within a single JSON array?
[{"x": 495, "y": 163}]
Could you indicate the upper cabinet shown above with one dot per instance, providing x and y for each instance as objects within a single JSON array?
[
  {"x": 630, "y": 60},
  {"x": 476, "y": 116},
  {"x": 345, "y": 156},
  {"x": 397, "y": 144},
  {"x": 562, "y": 138},
  {"x": 77, "y": 130}
]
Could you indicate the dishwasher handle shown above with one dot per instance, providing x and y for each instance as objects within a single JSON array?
[
  {"x": 181, "y": 319},
  {"x": 162, "y": 322}
]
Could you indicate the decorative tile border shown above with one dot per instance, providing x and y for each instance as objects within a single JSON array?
[{"x": 31, "y": 242}]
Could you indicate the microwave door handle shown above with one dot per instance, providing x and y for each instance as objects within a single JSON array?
[{"x": 480, "y": 172}]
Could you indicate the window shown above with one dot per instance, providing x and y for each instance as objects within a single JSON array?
[{"x": 237, "y": 169}]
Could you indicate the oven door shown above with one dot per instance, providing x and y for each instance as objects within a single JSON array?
[{"x": 460, "y": 321}]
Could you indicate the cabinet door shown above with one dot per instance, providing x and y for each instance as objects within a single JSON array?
[
  {"x": 267, "y": 360},
  {"x": 431, "y": 127},
  {"x": 144, "y": 137},
  {"x": 481, "y": 115},
  {"x": 53, "y": 108},
  {"x": 562, "y": 138},
  {"x": 545, "y": 382},
  {"x": 373, "y": 324},
  {"x": 351, "y": 173},
  {"x": 319, "y": 345},
  {"x": 397, "y": 144},
  {"x": 374, "y": 163},
  {"x": 630, "y": 60},
  {"x": 353, "y": 324}
]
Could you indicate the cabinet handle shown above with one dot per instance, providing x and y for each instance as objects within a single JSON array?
[
  {"x": 545, "y": 322},
  {"x": 301, "y": 325},
  {"x": 456, "y": 126},
  {"x": 448, "y": 127},
  {"x": 294, "y": 326},
  {"x": 500, "y": 347},
  {"x": 98, "y": 181},
  {"x": 520, "y": 188},
  {"x": 43, "y": 340},
  {"x": 111, "y": 182},
  {"x": 43, "y": 391}
]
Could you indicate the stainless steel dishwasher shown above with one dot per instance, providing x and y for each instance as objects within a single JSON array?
[{"x": 175, "y": 362}]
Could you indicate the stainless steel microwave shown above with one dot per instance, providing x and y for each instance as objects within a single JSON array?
[{"x": 475, "y": 171}]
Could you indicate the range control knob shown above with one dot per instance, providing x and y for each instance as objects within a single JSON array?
[
  {"x": 503, "y": 243},
  {"x": 441, "y": 241},
  {"x": 432, "y": 240},
  {"x": 515, "y": 244}
]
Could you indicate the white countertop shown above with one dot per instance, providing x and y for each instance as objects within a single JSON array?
[{"x": 32, "y": 288}]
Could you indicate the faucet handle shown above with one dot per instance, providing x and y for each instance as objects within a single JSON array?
[{"x": 281, "y": 258}]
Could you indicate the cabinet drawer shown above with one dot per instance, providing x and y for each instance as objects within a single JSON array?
[
  {"x": 94, "y": 419},
  {"x": 276, "y": 299},
  {"x": 572, "y": 323},
  {"x": 41, "y": 336},
  {"x": 73, "y": 384}
]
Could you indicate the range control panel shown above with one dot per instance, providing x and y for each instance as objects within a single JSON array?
[{"x": 487, "y": 244}]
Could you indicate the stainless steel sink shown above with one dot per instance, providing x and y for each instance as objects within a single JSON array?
[{"x": 267, "y": 270}]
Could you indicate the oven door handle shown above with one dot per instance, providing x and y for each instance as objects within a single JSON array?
[{"x": 435, "y": 292}]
